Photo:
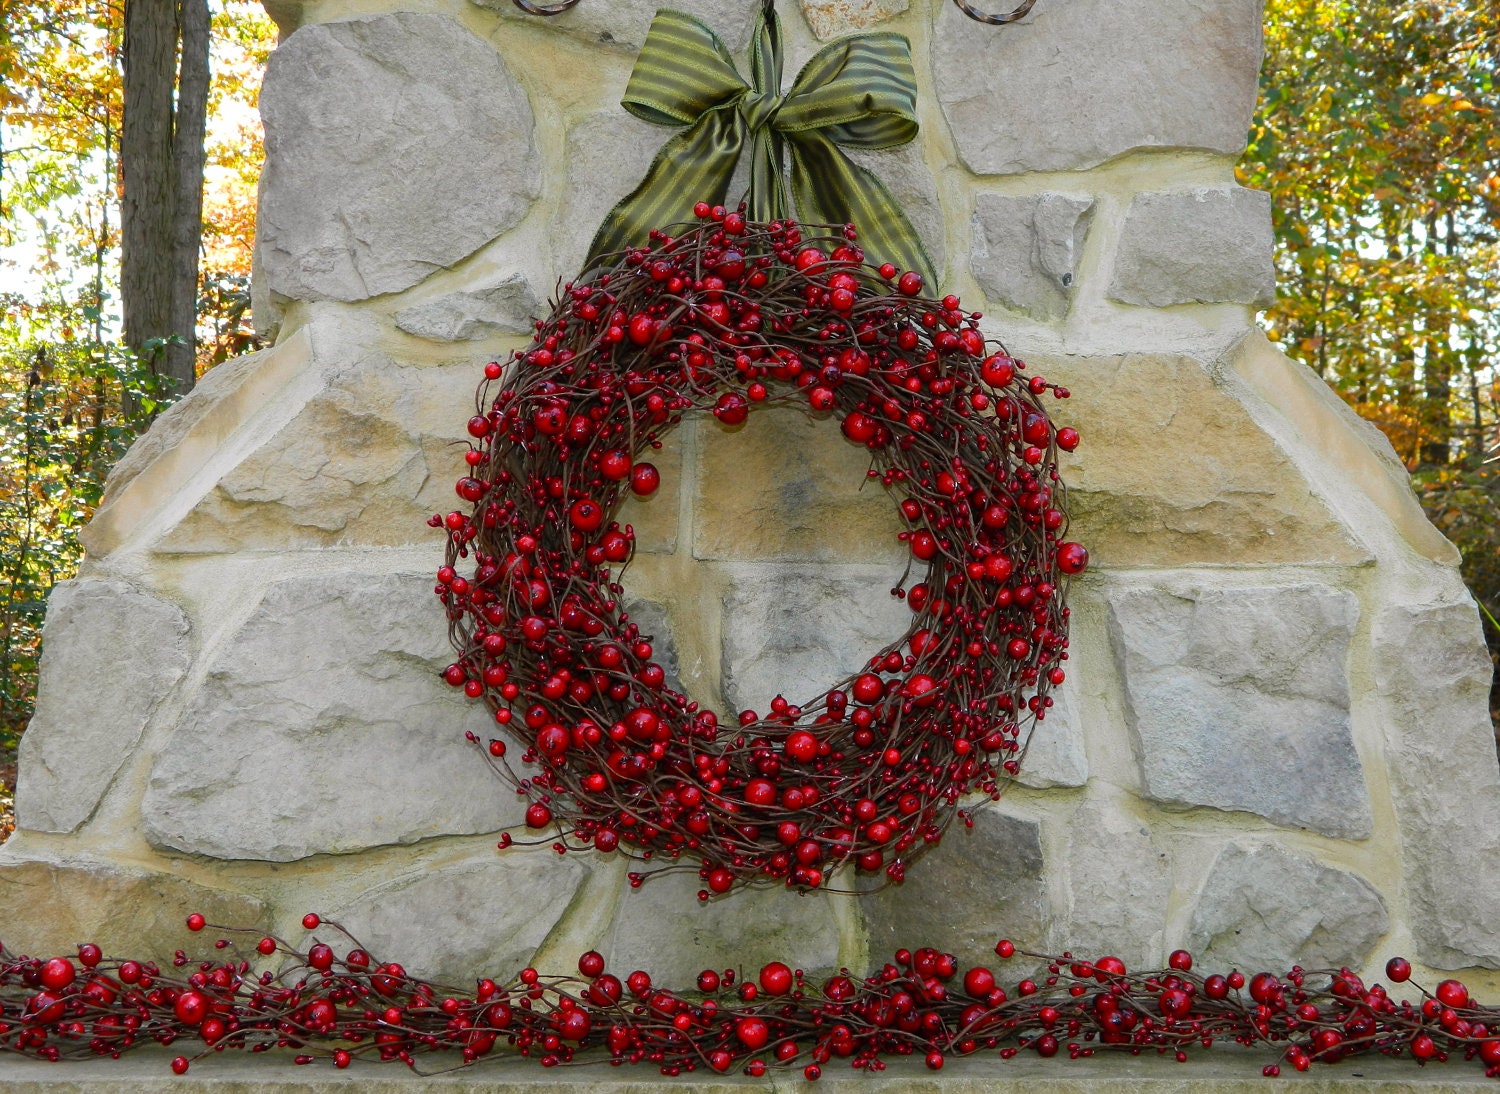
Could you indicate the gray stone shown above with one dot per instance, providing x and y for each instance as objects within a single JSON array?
[
  {"x": 1264, "y": 908},
  {"x": 1203, "y": 246},
  {"x": 455, "y": 923},
  {"x": 1119, "y": 886},
  {"x": 909, "y": 180},
  {"x": 979, "y": 885},
  {"x": 831, "y": 18},
  {"x": 50, "y": 902},
  {"x": 607, "y": 155},
  {"x": 663, "y": 928},
  {"x": 1238, "y": 698},
  {"x": 624, "y": 23},
  {"x": 656, "y": 628},
  {"x": 506, "y": 308},
  {"x": 396, "y": 145},
  {"x": 1055, "y": 754},
  {"x": 1433, "y": 674},
  {"x": 1026, "y": 249},
  {"x": 111, "y": 654},
  {"x": 322, "y": 727},
  {"x": 800, "y": 630},
  {"x": 1078, "y": 83}
]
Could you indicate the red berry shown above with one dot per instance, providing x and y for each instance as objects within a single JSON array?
[
  {"x": 1067, "y": 438},
  {"x": 910, "y": 283},
  {"x": 732, "y": 408},
  {"x": 195, "y": 922},
  {"x": 1005, "y": 948},
  {"x": 89, "y": 955},
  {"x": 1072, "y": 558},
  {"x": 801, "y": 746},
  {"x": 179, "y": 1065},
  {"x": 1398, "y": 969},
  {"x": 1452, "y": 993},
  {"x": 591, "y": 964},
  {"x": 191, "y": 1008},
  {"x": 997, "y": 370},
  {"x": 935, "y": 1060},
  {"x": 644, "y": 479},
  {"x": 1180, "y": 960},
  {"x": 538, "y": 815},
  {"x": 586, "y": 515},
  {"x": 310, "y": 921},
  {"x": 776, "y": 978}
]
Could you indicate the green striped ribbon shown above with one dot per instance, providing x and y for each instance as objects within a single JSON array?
[{"x": 858, "y": 92}]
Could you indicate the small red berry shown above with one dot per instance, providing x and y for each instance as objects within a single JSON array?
[
  {"x": 1398, "y": 969},
  {"x": 179, "y": 1065},
  {"x": 195, "y": 922},
  {"x": 644, "y": 479},
  {"x": 311, "y": 921}
]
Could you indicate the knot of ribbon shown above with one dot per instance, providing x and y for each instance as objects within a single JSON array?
[{"x": 857, "y": 92}]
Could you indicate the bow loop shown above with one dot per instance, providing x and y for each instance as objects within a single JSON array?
[{"x": 859, "y": 92}]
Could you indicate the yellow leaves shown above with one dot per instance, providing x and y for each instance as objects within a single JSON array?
[{"x": 1432, "y": 98}]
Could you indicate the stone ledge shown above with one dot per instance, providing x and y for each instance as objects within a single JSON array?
[{"x": 1226, "y": 1071}]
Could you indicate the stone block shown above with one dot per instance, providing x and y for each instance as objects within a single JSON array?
[
  {"x": 1119, "y": 887},
  {"x": 1432, "y": 674},
  {"x": 661, "y": 927},
  {"x": 832, "y": 18},
  {"x": 913, "y": 188},
  {"x": 798, "y": 631},
  {"x": 49, "y": 903},
  {"x": 786, "y": 485},
  {"x": 1263, "y": 908},
  {"x": 111, "y": 653},
  {"x": 606, "y": 155},
  {"x": 506, "y": 308},
  {"x": 1201, "y": 246},
  {"x": 1238, "y": 699},
  {"x": 1146, "y": 488},
  {"x": 654, "y": 517},
  {"x": 656, "y": 628},
  {"x": 1055, "y": 755},
  {"x": 366, "y": 461},
  {"x": 396, "y": 145},
  {"x": 322, "y": 727},
  {"x": 624, "y": 23},
  {"x": 979, "y": 885},
  {"x": 453, "y": 924},
  {"x": 1076, "y": 84},
  {"x": 1027, "y": 247}
]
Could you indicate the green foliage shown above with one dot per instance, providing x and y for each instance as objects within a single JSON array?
[
  {"x": 1378, "y": 135},
  {"x": 60, "y": 403}
]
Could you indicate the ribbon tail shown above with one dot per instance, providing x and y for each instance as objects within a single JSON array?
[
  {"x": 830, "y": 188},
  {"x": 693, "y": 166},
  {"x": 768, "y": 189}
]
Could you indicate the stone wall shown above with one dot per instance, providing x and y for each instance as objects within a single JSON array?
[{"x": 1273, "y": 744}]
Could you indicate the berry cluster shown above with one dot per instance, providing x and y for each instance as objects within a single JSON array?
[
  {"x": 719, "y": 319},
  {"x": 323, "y": 1006}
]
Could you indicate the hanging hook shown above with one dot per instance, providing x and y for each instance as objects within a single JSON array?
[
  {"x": 550, "y": 9},
  {"x": 983, "y": 17}
]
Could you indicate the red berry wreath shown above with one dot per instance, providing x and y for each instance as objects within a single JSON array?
[{"x": 723, "y": 317}]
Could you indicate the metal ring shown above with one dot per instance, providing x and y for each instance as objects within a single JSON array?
[
  {"x": 552, "y": 9},
  {"x": 982, "y": 17}
]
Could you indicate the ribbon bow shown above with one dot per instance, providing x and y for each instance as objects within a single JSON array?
[{"x": 858, "y": 92}]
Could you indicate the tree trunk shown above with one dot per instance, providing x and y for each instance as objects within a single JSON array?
[
  {"x": 161, "y": 161},
  {"x": 187, "y": 230}
]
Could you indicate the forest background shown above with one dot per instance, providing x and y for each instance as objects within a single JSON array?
[{"x": 1378, "y": 135}]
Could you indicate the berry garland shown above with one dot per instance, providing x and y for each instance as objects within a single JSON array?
[
  {"x": 722, "y": 318},
  {"x": 325, "y": 1007}
]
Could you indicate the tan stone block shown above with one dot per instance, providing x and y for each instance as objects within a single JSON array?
[
  {"x": 654, "y": 518},
  {"x": 49, "y": 905},
  {"x": 786, "y": 486},
  {"x": 1172, "y": 471}
]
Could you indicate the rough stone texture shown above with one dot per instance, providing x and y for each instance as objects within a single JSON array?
[
  {"x": 1238, "y": 699},
  {"x": 1076, "y": 84},
  {"x": 395, "y": 146},
  {"x": 366, "y": 461},
  {"x": 456, "y": 923},
  {"x": 1204, "y": 245},
  {"x": 661, "y": 927},
  {"x": 506, "y": 308},
  {"x": 1119, "y": 886},
  {"x": 322, "y": 727},
  {"x": 800, "y": 630},
  {"x": 624, "y": 23},
  {"x": 1433, "y": 678},
  {"x": 1056, "y": 756},
  {"x": 788, "y": 486},
  {"x": 1026, "y": 249},
  {"x": 978, "y": 884},
  {"x": 1264, "y": 908},
  {"x": 606, "y": 156},
  {"x": 93, "y": 703},
  {"x": 909, "y": 180},
  {"x": 832, "y": 18},
  {"x": 656, "y": 627},
  {"x": 49, "y": 903},
  {"x": 1145, "y": 490}
]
